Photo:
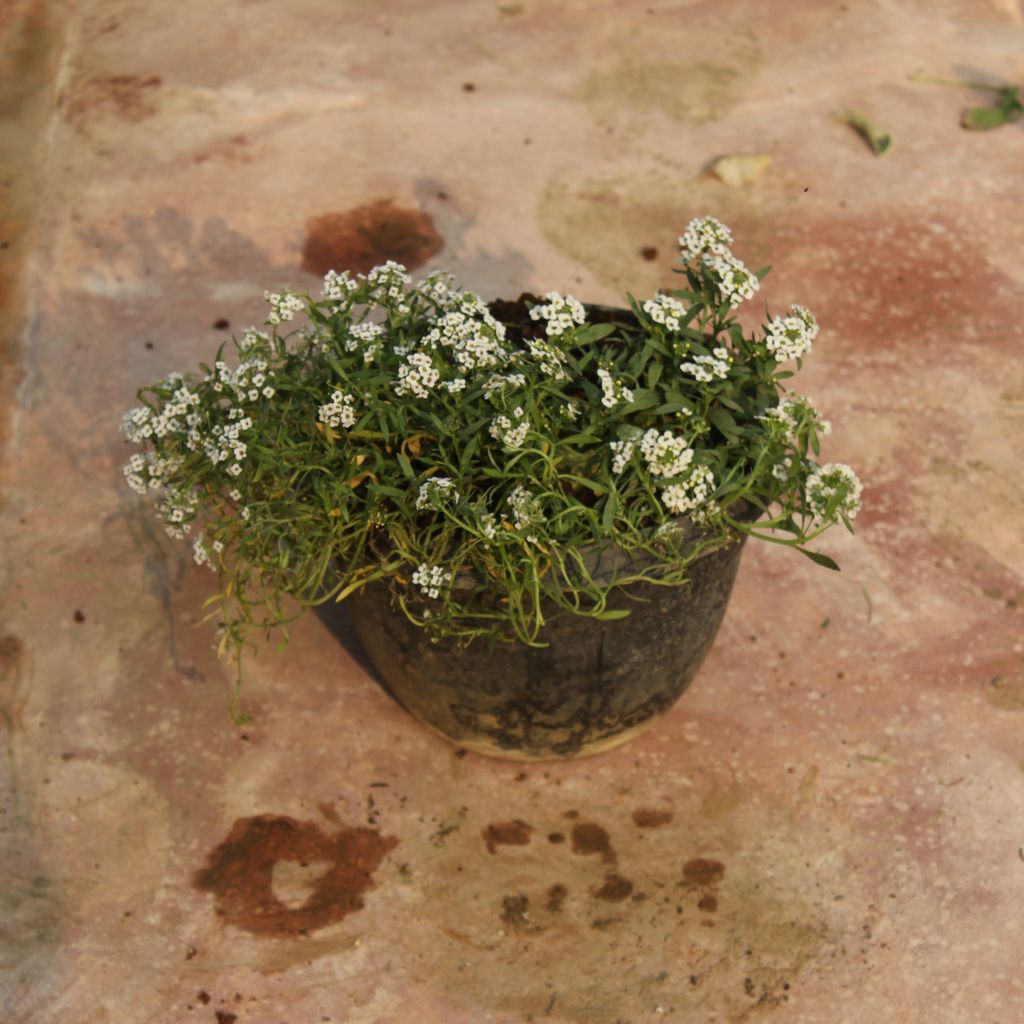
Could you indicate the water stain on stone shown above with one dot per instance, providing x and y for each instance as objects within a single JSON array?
[
  {"x": 129, "y": 96},
  {"x": 515, "y": 912},
  {"x": 588, "y": 838},
  {"x": 701, "y": 871},
  {"x": 1006, "y": 693},
  {"x": 507, "y": 833},
  {"x": 649, "y": 817},
  {"x": 556, "y": 898},
  {"x": 239, "y": 872},
  {"x": 615, "y": 889},
  {"x": 11, "y": 700},
  {"x": 365, "y": 237}
]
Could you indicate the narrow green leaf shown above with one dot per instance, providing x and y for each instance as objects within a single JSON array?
[
  {"x": 611, "y": 507},
  {"x": 878, "y": 140},
  {"x": 611, "y": 614},
  {"x": 819, "y": 558},
  {"x": 595, "y": 332}
]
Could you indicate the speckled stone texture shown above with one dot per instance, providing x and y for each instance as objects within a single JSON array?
[{"x": 829, "y": 827}]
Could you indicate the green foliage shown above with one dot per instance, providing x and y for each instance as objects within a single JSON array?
[
  {"x": 878, "y": 140},
  {"x": 1006, "y": 109},
  {"x": 494, "y": 466}
]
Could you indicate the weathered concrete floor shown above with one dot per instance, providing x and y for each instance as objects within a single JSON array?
[{"x": 830, "y": 825}]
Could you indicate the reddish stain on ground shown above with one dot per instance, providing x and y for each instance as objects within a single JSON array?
[
  {"x": 703, "y": 872},
  {"x": 647, "y": 817},
  {"x": 556, "y": 897},
  {"x": 907, "y": 287},
  {"x": 588, "y": 838},
  {"x": 367, "y": 236},
  {"x": 239, "y": 872},
  {"x": 615, "y": 889},
  {"x": 507, "y": 833},
  {"x": 709, "y": 904}
]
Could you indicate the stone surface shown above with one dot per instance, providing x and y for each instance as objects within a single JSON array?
[{"x": 827, "y": 828}]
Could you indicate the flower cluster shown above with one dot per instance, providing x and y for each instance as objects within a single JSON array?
[
  {"x": 561, "y": 313},
  {"x": 707, "y": 368},
  {"x": 526, "y": 510},
  {"x": 791, "y": 337},
  {"x": 431, "y": 578},
  {"x": 614, "y": 392},
  {"x": 833, "y": 489},
  {"x": 511, "y": 432},
  {"x": 704, "y": 236},
  {"x": 283, "y": 306},
  {"x": 666, "y": 453},
  {"x": 340, "y": 411},
  {"x": 665, "y": 310},
  {"x": 433, "y": 493}
]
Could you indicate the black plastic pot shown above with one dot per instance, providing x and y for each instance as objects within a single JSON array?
[{"x": 596, "y": 684}]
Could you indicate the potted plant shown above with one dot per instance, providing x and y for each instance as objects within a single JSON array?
[{"x": 535, "y": 509}]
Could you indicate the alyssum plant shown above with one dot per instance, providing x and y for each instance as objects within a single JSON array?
[{"x": 476, "y": 456}]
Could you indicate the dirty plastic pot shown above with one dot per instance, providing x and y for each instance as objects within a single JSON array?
[{"x": 596, "y": 684}]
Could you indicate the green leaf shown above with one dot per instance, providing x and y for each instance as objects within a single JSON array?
[
  {"x": 595, "y": 332},
  {"x": 643, "y": 399},
  {"x": 878, "y": 140},
  {"x": 611, "y": 507},
  {"x": 406, "y": 466},
  {"x": 611, "y": 614},
  {"x": 725, "y": 423},
  {"x": 391, "y": 492},
  {"x": 819, "y": 558},
  {"x": 1006, "y": 110}
]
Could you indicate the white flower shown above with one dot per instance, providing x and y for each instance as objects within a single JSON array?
[
  {"x": 488, "y": 526},
  {"x": 339, "y": 411},
  {"x": 709, "y": 368},
  {"x": 735, "y": 281},
  {"x": 562, "y": 313},
  {"x": 666, "y": 453},
  {"x": 691, "y": 495},
  {"x": 199, "y": 553},
  {"x": 794, "y": 410},
  {"x": 283, "y": 306},
  {"x": 622, "y": 452},
  {"x": 417, "y": 375},
  {"x": 526, "y": 509},
  {"x": 791, "y": 337},
  {"x": 665, "y": 310},
  {"x": 431, "y": 578},
  {"x": 614, "y": 390},
  {"x": 510, "y": 432},
  {"x": 833, "y": 490},
  {"x": 435, "y": 491},
  {"x": 337, "y": 287},
  {"x": 549, "y": 357},
  {"x": 252, "y": 339},
  {"x": 474, "y": 338},
  {"x": 501, "y": 381},
  {"x": 438, "y": 287},
  {"x": 704, "y": 236}
]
